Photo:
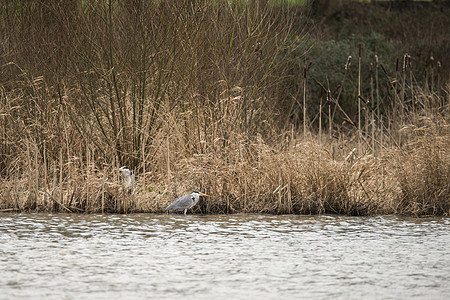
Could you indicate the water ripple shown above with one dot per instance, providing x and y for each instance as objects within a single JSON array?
[{"x": 54, "y": 256}]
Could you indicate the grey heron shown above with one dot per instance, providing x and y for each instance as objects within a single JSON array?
[
  {"x": 129, "y": 181},
  {"x": 185, "y": 202}
]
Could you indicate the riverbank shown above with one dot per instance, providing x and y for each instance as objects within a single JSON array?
[
  {"x": 262, "y": 117},
  {"x": 287, "y": 176}
]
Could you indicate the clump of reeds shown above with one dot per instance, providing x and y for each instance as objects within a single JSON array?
[
  {"x": 249, "y": 175},
  {"x": 291, "y": 175},
  {"x": 422, "y": 166}
]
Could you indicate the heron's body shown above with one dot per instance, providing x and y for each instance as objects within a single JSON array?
[
  {"x": 129, "y": 181},
  {"x": 185, "y": 202}
]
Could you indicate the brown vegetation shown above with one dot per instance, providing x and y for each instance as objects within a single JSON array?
[{"x": 198, "y": 95}]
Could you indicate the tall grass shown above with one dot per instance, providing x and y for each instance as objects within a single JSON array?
[{"x": 199, "y": 96}]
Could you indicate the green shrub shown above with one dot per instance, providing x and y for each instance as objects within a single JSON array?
[{"x": 328, "y": 60}]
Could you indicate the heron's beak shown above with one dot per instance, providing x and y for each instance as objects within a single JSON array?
[{"x": 204, "y": 195}]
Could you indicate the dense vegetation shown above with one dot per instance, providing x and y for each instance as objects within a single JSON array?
[{"x": 259, "y": 105}]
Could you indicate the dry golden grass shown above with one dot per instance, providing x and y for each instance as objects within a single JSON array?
[{"x": 281, "y": 176}]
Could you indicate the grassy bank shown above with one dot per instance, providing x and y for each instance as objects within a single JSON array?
[{"x": 213, "y": 96}]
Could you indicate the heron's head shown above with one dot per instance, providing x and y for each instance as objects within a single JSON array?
[
  {"x": 199, "y": 193},
  {"x": 124, "y": 171},
  {"x": 129, "y": 182}
]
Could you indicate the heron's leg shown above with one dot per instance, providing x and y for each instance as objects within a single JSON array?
[{"x": 185, "y": 211}]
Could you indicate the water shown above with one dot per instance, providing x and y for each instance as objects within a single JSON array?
[{"x": 45, "y": 256}]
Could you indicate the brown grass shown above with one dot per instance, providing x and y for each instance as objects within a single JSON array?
[{"x": 195, "y": 97}]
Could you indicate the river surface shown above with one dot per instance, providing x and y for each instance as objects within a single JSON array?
[{"x": 143, "y": 256}]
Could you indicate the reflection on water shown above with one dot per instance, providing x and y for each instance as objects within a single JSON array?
[{"x": 44, "y": 256}]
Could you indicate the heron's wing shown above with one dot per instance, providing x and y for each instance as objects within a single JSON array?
[{"x": 181, "y": 203}]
